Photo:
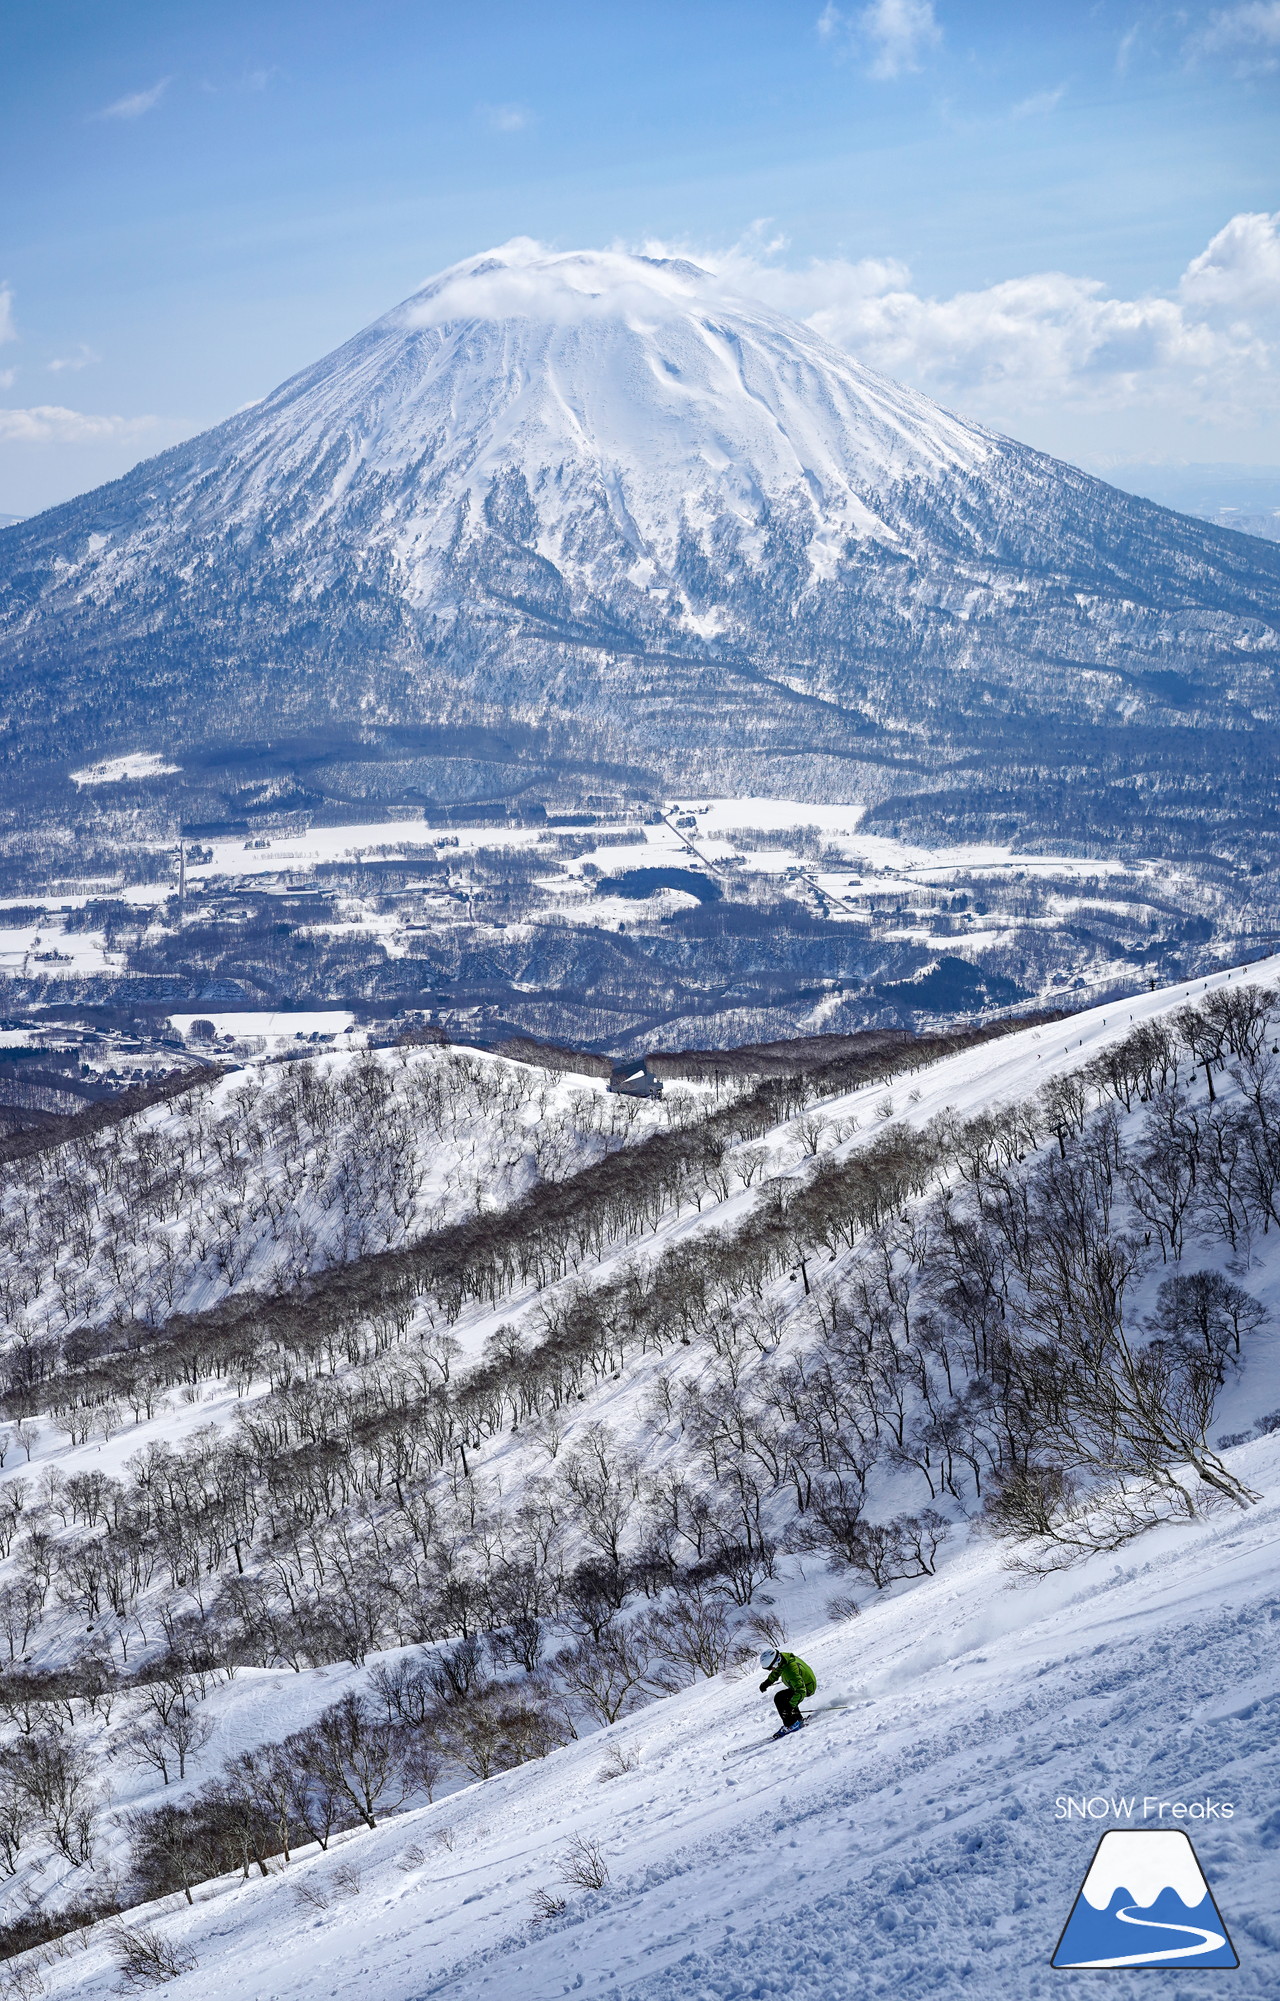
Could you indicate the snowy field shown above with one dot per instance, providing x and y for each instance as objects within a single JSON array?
[
  {"x": 274, "y": 1029},
  {"x": 665, "y": 842}
]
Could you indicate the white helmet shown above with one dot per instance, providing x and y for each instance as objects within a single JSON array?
[{"x": 770, "y": 1657}]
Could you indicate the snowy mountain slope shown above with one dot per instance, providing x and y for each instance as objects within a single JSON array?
[
  {"x": 912, "y": 1842},
  {"x": 923, "y": 1814},
  {"x": 278, "y": 1171},
  {"x": 577, "y": 494}
]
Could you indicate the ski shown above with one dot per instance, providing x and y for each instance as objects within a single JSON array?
[{"x": 760, "y": 1743}]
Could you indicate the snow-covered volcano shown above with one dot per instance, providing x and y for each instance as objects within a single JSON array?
[
  {"x": 598, "y": 493},
  {"x": 636, "y": 408}
]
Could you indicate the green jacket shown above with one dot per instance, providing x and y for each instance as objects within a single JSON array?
[{"x": 798, "y": 1675}]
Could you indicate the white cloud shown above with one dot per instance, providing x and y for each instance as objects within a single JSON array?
[
  {"x": 140, "y": 102},
  {"x": 8, "y": 331},
  {"x": 1054, "y": 341},
  {"x": 1235, "y": 27},
  {"x": 8, "y": 376},
  {"x": 1249, "y": 31},
  {"x": 83, "y": 358},
  {"x": 1040, "y": 104},
  {"x": 507, "y": 117},
  {"x": 1235, "y": 281},
  {"x": 1035, "y": 355},
  {"x": 51, "y": 424},
  {"x": 894, "y": 34},
  {"x": 571, "y": 287}
]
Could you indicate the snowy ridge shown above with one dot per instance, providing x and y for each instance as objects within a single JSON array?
[{"x": 278, "y": 1171}]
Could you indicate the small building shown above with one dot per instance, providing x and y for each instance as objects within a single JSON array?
[{"x": 634, "y": 1079}]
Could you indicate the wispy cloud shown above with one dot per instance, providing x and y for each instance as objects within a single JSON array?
[
  {"x": 893, "y": 35},
  {"x": 8, "y": 331},
  {"x": 138, "y": 103},
  {"x": 51, "y": 424},
  {"x": 250, "y": 81},
  {"x": 506, "y": 117},
  {"x": 1040, "y": 104},
  {"x": 84, "y": 357},
  {"x": 8, "y": 376},
  {"x": 1250, "y": 31}
]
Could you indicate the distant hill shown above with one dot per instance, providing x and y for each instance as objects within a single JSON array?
[{"x": 1246, "y": 498}]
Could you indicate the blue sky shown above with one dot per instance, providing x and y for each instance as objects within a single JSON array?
[{"x": 1012, "y": 206}]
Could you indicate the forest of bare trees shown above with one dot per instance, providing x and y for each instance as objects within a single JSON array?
[{"x": 278, "y": 1173}]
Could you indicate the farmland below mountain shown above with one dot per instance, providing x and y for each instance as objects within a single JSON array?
[{"x": 733, "y": 921}]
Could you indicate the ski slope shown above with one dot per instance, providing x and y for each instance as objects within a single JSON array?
[
  {"x": 907, "y": 1844},
  {"x": 914, "y": 1841}
]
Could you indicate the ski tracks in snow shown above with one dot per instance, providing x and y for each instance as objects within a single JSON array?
[{"x": 907, "y": 1847}]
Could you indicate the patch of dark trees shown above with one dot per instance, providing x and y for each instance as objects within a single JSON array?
[
  {"x": 645, "y": 882},
  {"x": 112, "y": 1111}
]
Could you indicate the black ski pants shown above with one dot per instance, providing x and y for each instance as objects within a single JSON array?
[{"x": 787, "y": 1705}]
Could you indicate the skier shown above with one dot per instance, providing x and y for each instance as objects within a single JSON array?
[{"x": 798, "y": 1680}]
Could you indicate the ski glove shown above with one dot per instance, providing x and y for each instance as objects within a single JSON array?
[{"x": 763, "y": 1686}]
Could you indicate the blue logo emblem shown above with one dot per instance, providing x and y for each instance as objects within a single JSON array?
[{"x": 1144, "y": 1902}]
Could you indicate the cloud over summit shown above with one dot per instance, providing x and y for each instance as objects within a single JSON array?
[{"x": 1208, "y": 351}]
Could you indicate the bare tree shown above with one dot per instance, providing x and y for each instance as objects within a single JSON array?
[
  {"x": 168, "y": 1744},
  {"x": 583, "y": 1864},
  {"x": 21, "y": 1605},
  {"x": 56, "y": 1774},
  {"x": 692, "y": 1630},
  {"x": 1209, "y": 1311},
  {"x": 354, "y": 1754},
  {"x": 145, "y": 1958},
  {"x": 610, "y": 1674}
]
